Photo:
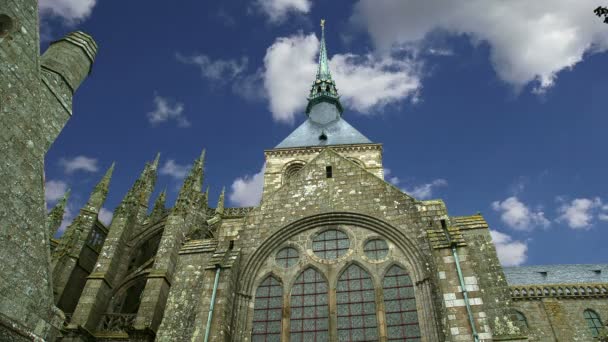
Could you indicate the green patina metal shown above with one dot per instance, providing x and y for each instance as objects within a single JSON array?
[{"x": 323, "y": 88}]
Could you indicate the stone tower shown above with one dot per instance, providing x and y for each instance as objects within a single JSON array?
[{"x": 35, "y": 103}]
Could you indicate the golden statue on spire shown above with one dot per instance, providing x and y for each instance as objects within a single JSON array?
[{"x": 322, "y": 23}]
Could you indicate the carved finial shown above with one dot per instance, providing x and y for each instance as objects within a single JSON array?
[
  {"x": 220, "y": 203},
  {"x": 55, "y": 217}
]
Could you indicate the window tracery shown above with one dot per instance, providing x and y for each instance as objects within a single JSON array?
[
  {"x": 335, "y": 257},
  {"x": 268, "y": 310},
  {"x": 356, "y": 306},
  {"x": 309, "y": 310}
]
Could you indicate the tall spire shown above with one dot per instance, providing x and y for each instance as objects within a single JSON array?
[
  {"x": 323, "y": 68},
  {"x": 323, "y": 88},
  {"x": 55, "y": 217},
  {"x": 98, "y": 196},
  {"x": 219, "y": 210}
]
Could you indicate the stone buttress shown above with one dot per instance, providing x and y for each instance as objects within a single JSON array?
[
  {"x": 112, "y": 262},
  {"x": 78, "y": 248}
]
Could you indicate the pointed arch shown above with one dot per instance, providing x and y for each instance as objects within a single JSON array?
[
  {"x": 267, "y": 311},
  {"x": 356, "y": 305},
  {"x": 309, "y": 307},
  {"x": 414, "y": 261},
  {"x": 594, "y": 322},
  {"x": 400, "y": 304}
]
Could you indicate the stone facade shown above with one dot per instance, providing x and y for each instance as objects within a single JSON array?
[{"x": 333, "y": 252}]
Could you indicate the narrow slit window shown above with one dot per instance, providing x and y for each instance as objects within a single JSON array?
[{"x": 328, "y": 172}]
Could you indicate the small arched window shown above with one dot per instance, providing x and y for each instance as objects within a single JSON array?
[
  {"x": 521, "y": 320},
  {"x": 292, "y": 169},
  {"x": 593, "y": 322}
]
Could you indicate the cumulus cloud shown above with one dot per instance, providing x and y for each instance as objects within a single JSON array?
[
  {"x": 174, "y": 170},
  {"x": 216, "y": 70},
  {"x": 72, "y": 11},
  {"x": 365, "y": 82},
  {"x": 246, "y": 191},
  {"x": 165, "y": 111},
  {"x": 579, "y": 213},
  {"x": 54, "y": 190},
  {"x": 518, "y": 216},
  {"x": 529, "y": 41},
  {"x": 277, "y": 10},
  {"x": 425, "y": 191},
  {"x": 603, "y": 215},
  {"x": 105, "y": 216},
  {"x": 79, "y": 163},
  {"x": 510, "y": 252},
  {"x": 390, "y": 178}
]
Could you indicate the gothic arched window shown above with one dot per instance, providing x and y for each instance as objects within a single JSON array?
[
  {"x": 400, "y": 306},
  {"x": 522, "y": 321},
  {"x": 593, "y": 322},
  {"x": 268, "y": 310},
  {"x": 309, "y": 311},
  {"x": 356, "y": 306}
]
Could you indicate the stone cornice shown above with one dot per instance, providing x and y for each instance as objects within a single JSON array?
[
  {"x": 317, "y": 149},
  {"x": 582, "y": 290}
]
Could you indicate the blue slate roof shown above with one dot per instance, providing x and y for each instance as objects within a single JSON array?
[
  {"x": 324, "y": 119},
  {"x": 557, "y": 274}
]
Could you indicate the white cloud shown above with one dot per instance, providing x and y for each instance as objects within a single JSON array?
[
  {"x": 216, "y": 70},
  {"x": 164, "y": 111},
  {"x": 105, "y": 216},
  {"x": 247, "y": 190},
  {"x": 518, "y": 216},
  {"x": 425, "y": 191},
  {"x": 510, "y": 253},
  {"x": 579, "y": 213},
  {"x": 79, "y": 163},
  {"x": 175, "y": 170},
  {"x": 54, "y": 190},
  {"x": 603, "y": 215},
  {"x": 391, "y": 179},
  {"x": 72, "y": 11},
  {"x": 530, "y": 41},
  {"x": 365, "y": 82},
  {"x": 277, "y": 10}
]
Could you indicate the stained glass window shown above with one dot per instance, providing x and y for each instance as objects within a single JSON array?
[
  {"x": 309, "y": 311},
  {"x": 376, "y": 249},
  {"x": 330, "y": 244},
  {"x": 593, "y": 322},
  {"x": 522, "y": 322},
  {"x": 287, "y": 257},
  {"x": 267, "y": 311},
  {"x": 400, "y": 306},
  {"x": 356, "y": 305}
]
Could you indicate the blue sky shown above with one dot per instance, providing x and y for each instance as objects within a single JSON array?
[{"x": 492, "y": 106}]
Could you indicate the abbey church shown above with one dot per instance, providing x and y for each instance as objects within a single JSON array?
[{"x": 333, "y": 252}]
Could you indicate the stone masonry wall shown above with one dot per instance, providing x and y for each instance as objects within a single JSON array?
[
  {"x": 351, "y": 189},
  {"x": 560, "y": 319},
  {"x": 31, "y": 116},
  {"x": 276, "y": 160}
]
